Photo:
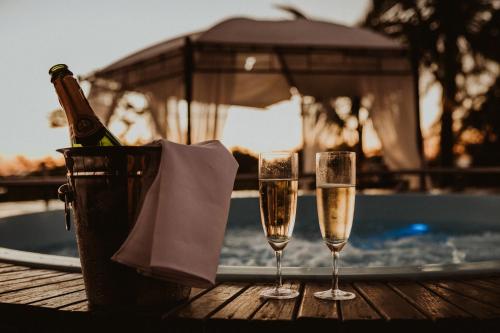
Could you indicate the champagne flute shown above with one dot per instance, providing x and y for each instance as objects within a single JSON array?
[
  {"x": 278, "y": 186},
  {"x": 335, "y": 195}
]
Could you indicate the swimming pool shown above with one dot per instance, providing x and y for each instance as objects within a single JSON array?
[
  {"x": 388, "y": 230},
  {"x": 396, "y": 230}
]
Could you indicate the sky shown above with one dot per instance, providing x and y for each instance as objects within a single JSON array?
[{"x": 91, "y": 34}]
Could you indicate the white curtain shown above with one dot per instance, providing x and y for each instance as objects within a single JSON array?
[
  {"x": 393, "y": 115},
  {"x": 392, "y": 111},
  {"x": 207, "y": 121}
]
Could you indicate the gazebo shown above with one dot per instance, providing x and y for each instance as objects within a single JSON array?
[{"x": 254, "y": 63}]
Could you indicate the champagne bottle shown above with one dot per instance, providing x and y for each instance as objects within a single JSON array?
[{"x": 84, "y": 127}]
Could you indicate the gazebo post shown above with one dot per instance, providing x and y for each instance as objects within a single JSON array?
[
  {"x": 188, "y": 82},
  {"x": 355, "y": 107},
  {"x": 216, "y": 116},
  {"x": 304, "y": 141},
  {"x": 418, "y": 130}
]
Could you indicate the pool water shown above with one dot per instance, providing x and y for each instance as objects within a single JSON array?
[
  {"x": 388, "y": 230},
  {"x": 391, "y": 230},
  {"x": 248, "y": 247}
]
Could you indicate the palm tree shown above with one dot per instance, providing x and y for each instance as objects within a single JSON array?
[{"x": 453, "y": 39}]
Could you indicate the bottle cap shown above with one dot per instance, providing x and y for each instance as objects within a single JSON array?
[{"x": 59, "y": 70}]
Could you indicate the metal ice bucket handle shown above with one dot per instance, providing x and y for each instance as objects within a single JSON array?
[{"x": 67, "y": 195}]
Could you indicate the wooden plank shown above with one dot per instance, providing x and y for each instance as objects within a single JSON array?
[
  {"x": 432, "y": 305},
  {"x": 37, "y": 281},
  {"x": 489, "y": 286},
  {"x": 275, "y": 309},
  {"x": 477, "y": 309},
  {"x": 243, "y": 306},
  {"x": 22, "y": 274},
  {"x": 30, "y": 278},
  {"x": 195, "y": 292},
  {"x": 22, "y": 283},
  {"x": 61, "y": 301},
  {"x": 9, "y": 269},
  {"x": 388, "y": 304},
  {"x": 49, "y": 294},
  {"x": 495, "y": 280},
  {"x": 77, "y": 307},
  {"x": 468, "y": 290},
  {"x": 210, "y": 301},
  {"x": 313, "y": 308},
  {"x": 357, "y": 308},
  {"x": 5, "y": 265},
  {"x": 30, "y": 295}
]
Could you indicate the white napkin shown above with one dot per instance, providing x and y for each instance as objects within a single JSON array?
[{"x": 179, "y": 231}]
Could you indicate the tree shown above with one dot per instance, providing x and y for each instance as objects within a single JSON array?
[
  {"x": 480, "y": 132},
  {"x": 456, "y": 40}
]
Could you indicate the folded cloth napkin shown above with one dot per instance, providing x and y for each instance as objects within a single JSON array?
[{"x": 180, "y": 228}]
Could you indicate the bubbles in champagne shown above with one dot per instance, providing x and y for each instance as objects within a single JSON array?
[
  {"x": 335, "y": 203},
  {"x": 278, "y": 204}
]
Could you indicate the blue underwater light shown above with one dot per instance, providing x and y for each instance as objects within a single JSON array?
[
  {"x": 414, "y": 229},
  {"x": 407, "y": 231},
  {"x": 419, "y": 228}
]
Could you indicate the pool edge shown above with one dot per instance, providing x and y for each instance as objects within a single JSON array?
[
  {"x": 40, "y": 260},
  {"x": 225, "y": 273}
]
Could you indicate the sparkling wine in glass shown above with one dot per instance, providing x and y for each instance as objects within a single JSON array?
[
  {"x": 278, "y": 187},
  {"x": 335, "y": 195}
]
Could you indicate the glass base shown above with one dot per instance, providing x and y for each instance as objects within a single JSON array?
[
  {"x": 281, "y": 293},
  {"x": 334, "y": 295}
]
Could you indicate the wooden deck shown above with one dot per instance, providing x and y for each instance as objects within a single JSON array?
[{"x": 44, "y": 300}]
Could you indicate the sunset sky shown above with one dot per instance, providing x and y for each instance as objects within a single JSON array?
[{"x": 88, "y": 35}]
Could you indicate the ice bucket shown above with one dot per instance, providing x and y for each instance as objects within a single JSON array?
[{"x": 106, "y": 187}]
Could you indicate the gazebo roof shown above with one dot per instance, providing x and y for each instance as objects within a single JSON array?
[
  {"x": 298, "y": 32},
  {"x": 245, "y": 32}
]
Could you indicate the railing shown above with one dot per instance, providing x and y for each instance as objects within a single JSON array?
[
  {"x": 451, "y": 178},
  {"x": 32, "y": 188},
  {"x": 45, "y": 188}
]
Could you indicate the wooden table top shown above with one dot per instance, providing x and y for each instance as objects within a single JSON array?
[{"x": 49, "y": 300}]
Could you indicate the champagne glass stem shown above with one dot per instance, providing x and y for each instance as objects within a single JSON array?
[
  {"x": 278, "y": 270},
  {"x": 335, "y": 270}
]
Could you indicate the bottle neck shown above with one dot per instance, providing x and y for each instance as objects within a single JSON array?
[{"x": 82, "y": 121}]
